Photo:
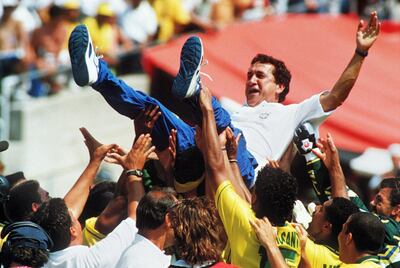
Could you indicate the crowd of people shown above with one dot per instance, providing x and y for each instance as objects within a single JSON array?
[
  {"x": 34, "y": 34},
  {"x": 219, "y": 194}
]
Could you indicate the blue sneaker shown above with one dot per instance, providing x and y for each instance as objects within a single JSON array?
[
  {"x": 84, "y": 62},
  {"x": 187, "y": 81}
]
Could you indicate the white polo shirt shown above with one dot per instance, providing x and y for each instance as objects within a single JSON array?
[
  {"x": 143, "y": 253},
  {"x": 269, "y": 127}
]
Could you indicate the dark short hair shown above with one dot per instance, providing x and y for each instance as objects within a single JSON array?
[
  {"x": 338, "y": 213},
  {"x": 19, "y": 204},
  {"x": 189, "y": 165},
  {"x": 368, "y": 232},
  {"x": 394, "y": 185},
  {"x": 32, "y": 257},
  {"x": 282, "y": 74},
  {"x": 54, "y": 218},
  {"x": 152, "y": 208},
  {"x": 99, "y": 197},
  {"x": 276, "y": 193},
  {"x": 197, "y": 229}
]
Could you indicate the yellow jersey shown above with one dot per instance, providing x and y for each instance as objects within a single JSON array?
[
  {"x": 90, "y": 235},
  {"x": 321, "y": 256},
  {"x": 245, "y": 249}
]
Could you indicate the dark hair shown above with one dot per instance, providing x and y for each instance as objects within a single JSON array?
[
  {"x": 32, "y": 257},
  {"x": 153, "y": 207},
  {"x": 281, "y": 73},
  {"x": 99, "y": 197},
  {"x": 189, "y": 165},
  {"x": 21, "y": 196},
  {"x": 338, "y": 213},
  {"x": 276, "y": 192},
  {"x": 197, "y": 229},
  {"x": 394, "y": 185},
  {"x": 368, "y": 232},
  {"x": 54, "y": 218}
]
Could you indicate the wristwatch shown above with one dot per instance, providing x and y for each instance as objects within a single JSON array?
[{"x": 135, "y": 172}]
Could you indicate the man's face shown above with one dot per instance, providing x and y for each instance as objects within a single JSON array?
[
  {"x": 260, "y": 84},
  {"x": 318, "y": 226},
  {"x": 44, "y": 195},
  {"x": 381, "y": 203},
  {"x": 342, "y": 241}
]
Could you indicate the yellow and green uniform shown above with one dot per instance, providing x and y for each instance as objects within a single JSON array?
[
  {"x": 390, "y": 257},
  {"x": 90, "y": 235},
  {"x": 321, "y": 256},
  {"x": 321, "y": 182},
  {"x": 365, "y": 262},
  {"x": 245, "y": 249}
]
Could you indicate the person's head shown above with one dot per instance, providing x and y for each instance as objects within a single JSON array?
[
  {"x": 99, "y": 197},
  {"x": 188, "y": 170},
  {"x": 24, "y": 199},
  {"x": 268, "y": 80},
  {"x": 197, "y": 230},
  {"x": 26, "y": 244},
  {"x": 152, "y": 213},
  {"x": 328, "y": 219},
  {"x": 387, "y": 201},
  {"x": 363, "y": 233},
  {"x": 274, "y": 195},
  {"x": 59, "y": 223}
]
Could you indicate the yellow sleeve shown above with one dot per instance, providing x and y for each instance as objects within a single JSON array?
[
  {"x": 90, "y": 235},
  {"x": 321, "y": 256}
]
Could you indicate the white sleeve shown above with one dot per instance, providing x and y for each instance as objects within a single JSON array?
[
  {"x": 310, "y": 110},
  {"x": 108, "y": 251}
]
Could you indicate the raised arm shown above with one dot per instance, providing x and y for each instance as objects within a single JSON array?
[
  {"x": 77, "y": 196},
  {"x": 330, "y": 156},
  {"x": 133, "y": 163},
  {"x": 366, "y": 36},
  {"x": 214, "y": 158}
]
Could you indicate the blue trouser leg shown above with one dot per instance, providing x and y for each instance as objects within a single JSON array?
[
  {"x": 130, "y": 102},
  {"x": 246, "y": 161}
]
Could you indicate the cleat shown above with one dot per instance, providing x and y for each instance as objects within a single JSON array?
[
  {"x": 84, "y": 62},
  {"x": 187, "y": 81}
]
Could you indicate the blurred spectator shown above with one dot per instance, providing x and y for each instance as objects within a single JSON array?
[
  {"x": 72, "y": 14},
  {"x": 89, "y": 7},
  {"x": 139, "y": 22},
  {"x": 48, "y": 46},
  {"x": 106, "y": 34},
  {"x": 14, "y": 53}
]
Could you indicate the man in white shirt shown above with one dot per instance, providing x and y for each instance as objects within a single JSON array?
[
  {"x": 64, "y": 229},
  {"x": 155, "y": 232},
  {"x": 267, "y": 125}
]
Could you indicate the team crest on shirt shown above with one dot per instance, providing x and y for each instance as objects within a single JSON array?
[
  {"x": 306, "y": 145},
  {"x": 264, "y": 115}
]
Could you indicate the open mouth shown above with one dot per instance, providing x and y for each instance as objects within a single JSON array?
[{"x": 252, "y": 91}]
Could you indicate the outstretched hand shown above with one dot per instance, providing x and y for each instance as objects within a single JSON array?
[
  {"x": 137, "y": 156},
  {"x": 168, "y": 156},
  {"x": 367, "y": 34},
  {"x": 146, "y": 119},
  {"x": 205, "y": 99},
  {"x": 97, "y": 150},
  {"x": 232, "y": 143},
  {"x": 328, "y": 152}
]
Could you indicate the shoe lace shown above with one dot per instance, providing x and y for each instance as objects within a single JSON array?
[{"x": 203, "y": 63}]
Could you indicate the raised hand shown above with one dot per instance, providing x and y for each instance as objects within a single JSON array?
[
  {"x": 205, "y": 99},
  {"x": 146, "y": 119},
  {"x": 97, "y": 150},
  {"x": 367, "y": 34},
  {"x": 232, "y": 143},
  {"x": 168, "y": 156},
  {"x": 329, "y": 153},
  {"x": 137, "y": 156}
]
